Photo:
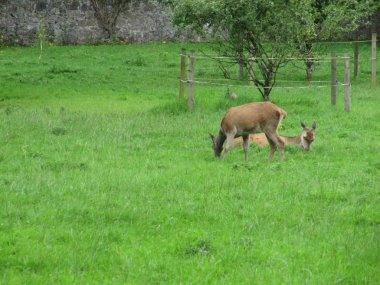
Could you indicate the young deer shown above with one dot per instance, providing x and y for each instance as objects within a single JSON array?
[
  {"x": 247, "y": 119},
  {"x": 304, "y": 139}
]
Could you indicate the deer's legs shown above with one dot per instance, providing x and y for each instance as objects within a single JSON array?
[
  {"x": 229, "y": 144},
  {"x": 275, "y": 142},
  {"x": 246, "y": 144},
  {"x": 281, "y": 148},
  {"x": 272, "y": 149}
]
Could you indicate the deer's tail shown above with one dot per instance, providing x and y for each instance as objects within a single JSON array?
[{"x": 282, "y": 114}]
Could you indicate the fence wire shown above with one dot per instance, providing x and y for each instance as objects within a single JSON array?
[{"x": 267, "y": 87}]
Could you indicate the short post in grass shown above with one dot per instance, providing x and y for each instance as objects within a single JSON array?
[
  {"x": 356, "y": 60},
  {"x": 347, "y": 85},
  {"x": 373, "y": 65},
  {"x": 191, "y": 80},
  {"x": 333, "y": 78},
  {"x": 183, "y": 74}
]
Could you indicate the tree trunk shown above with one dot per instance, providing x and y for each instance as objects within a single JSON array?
[
  {"x": 266, "y": 94},
  {"x": 309, "y": 74},
  {"x": 309, "y": 68},
  {"x": 241, "y": 70},
  {"x": 240, "y": 50},
  {"x": 309, "y": 62},
  {"x": 107, "y": 13}
]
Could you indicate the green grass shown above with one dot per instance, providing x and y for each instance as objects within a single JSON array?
[{"x": 107, "y": 178}]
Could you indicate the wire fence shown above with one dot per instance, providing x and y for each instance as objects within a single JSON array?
[
  {"x": 230, "y": 64},
  {"x": 309, "y": 86},
  {"x": 233, "y": 60}
]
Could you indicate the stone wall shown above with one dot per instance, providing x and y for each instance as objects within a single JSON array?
[{"x": 74, "y": 21}]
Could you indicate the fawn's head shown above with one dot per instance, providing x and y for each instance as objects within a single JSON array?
[{"x": 308, "y": 135}]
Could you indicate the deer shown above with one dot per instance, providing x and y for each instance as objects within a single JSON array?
[
  {"x": 304, "y": 139},
  {"x": 243, "y": 120}
]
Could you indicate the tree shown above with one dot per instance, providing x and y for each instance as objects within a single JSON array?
[
  {"x": 107, "y": 12},
  {"x": 257, "y": 34},
  {"x": 328, "y": 20},
  {"x": 261, "y": 35}
]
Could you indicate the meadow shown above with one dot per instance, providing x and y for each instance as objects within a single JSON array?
[{"x": 107, "y": 178}]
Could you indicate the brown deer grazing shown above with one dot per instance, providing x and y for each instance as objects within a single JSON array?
[
  {"x": 304, "y": 139},
  {"x": 243, "y": 120}
]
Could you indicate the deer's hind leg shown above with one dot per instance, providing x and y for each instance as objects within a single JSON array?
[
  {"x": 275, "y": 142},
  {"x": 272, "y": 149}
]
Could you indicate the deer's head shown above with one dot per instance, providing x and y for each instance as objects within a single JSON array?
[
  {"x": 217, "y": 145},
  {"x": 308, "y": 135}
]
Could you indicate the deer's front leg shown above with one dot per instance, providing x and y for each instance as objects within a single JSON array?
[
  {"x": 229, "y": 144},
  {"x": 246, "y": 145}
]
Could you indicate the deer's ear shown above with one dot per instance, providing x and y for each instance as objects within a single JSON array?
[
  {"x": 314, "y": 125},
  {"x": 303, "y": 125},
  {"x": 212, "y": 138}
]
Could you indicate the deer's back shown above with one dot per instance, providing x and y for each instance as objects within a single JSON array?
[{"x": 252, "y": 117}]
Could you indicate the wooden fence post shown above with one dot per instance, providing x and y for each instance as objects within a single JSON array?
[
  {"x": 183, "y": 74},
  {"x": 347, "y": 84},
  {"x": 356, "y": 60},
  {"x": 333, "y": 78},
  {"x": 191, "y": 80},
  {"x": 241, "y": 66},
  {"x": 373, "y": 69}
]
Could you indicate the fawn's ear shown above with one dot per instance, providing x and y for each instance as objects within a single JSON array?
[
  {"x": 303, "y": 125},
  {"x": 314, "y": 125}
]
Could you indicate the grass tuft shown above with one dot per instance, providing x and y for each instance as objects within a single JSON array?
[
  {"x": 58, "y": 131},
  {"x": 200, "y": 246}
]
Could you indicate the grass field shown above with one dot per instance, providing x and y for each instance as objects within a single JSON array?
[{"x": 107, "y": 178}]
